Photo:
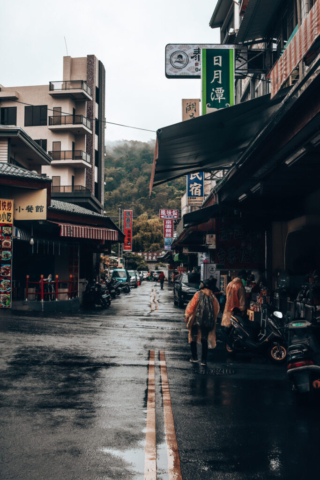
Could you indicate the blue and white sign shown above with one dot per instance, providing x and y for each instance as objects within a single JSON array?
[
  {"x": 195, "y": 190},
  {"x": 167, "y": 243}
]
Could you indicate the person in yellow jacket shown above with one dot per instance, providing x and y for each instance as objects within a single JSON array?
[
  {"x": 201, "y": 318},
  {"x": 236, "y": 298}
]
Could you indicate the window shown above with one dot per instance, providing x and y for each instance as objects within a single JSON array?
[
  {"x": 9, "y": 116},
  {"x": 96, "y": 158},
  {"x": 97, "y": 95},
  {"x": 35, "y": 116},
  {"x": 97, "y": 126},
  {"x": 42, "y": 143},
  {"x": 55, "y": 187}
]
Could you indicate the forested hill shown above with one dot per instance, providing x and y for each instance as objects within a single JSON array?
[{"x": 128, "y": 168}]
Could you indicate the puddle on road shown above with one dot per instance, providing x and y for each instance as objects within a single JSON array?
[{"x": 134, "y": 458}]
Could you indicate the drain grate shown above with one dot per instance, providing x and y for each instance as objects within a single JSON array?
[{"x": 216, "y": 372}]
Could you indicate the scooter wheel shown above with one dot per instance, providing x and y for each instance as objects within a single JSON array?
[
  {"x": 230, "y": 351},
  {"x": 277, "y": 354}
]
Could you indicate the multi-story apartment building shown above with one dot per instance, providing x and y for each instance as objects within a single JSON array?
[{"x": 67, "y": 118}]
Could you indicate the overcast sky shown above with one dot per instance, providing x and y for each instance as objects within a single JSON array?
[{"x": 128, "y": 36}]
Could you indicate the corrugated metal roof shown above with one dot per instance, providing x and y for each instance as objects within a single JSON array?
[
  {"x": 258, "y": 19},
  {"x": 14, "y": 171},
  {"x": 72, "y": 208}
]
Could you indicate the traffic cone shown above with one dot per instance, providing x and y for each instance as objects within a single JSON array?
[{"x": 138, "y": 283}]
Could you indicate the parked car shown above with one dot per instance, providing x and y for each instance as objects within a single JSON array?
[
  {"x": 145, "y": 275},
  {"x": 121, "y": 274},
  {"x": 185, "y": 286},
  {"x": 133, "y": 278}
]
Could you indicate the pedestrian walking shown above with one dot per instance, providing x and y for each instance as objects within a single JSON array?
[
  {"x": 236, "y": 298},
  {"x": 201, "y": 318},
  {"x": 161, "y": 278}
]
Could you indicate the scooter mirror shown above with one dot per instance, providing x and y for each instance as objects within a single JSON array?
[{"x": 278, "y": 314}]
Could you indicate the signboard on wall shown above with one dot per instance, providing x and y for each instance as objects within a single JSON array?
[
  {"x": 31, "y": 205},
  {"x": 217, "y": 79},
  {"x": 239, "y": 246},
  {"x": 195, "y": 189},
  {"x": 184, "y": 60},
  {"x": 190, "y": 109},
  {"x": 169, "y": 214},
  {"x": 127, "y": 230},
  {"x": 6, "y": 244}
]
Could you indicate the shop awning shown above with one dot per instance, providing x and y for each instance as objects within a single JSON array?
[
  {"x": 211, "y": 142},
  {"x": 205, "y": 214},
  {"x": 258, "y": 18},
  {"x": 92, "y": 233}
]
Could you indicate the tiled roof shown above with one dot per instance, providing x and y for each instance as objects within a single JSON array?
[
  {"x": 14, "y": 171},
  {"x": 72, "y": 208}
]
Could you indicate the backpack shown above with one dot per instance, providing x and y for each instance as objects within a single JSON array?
[{"x": 205, "y": 317}]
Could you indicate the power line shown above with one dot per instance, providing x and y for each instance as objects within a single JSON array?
[{"x": 90, "y": 118}]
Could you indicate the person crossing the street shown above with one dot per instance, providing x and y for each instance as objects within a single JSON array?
[
  {"x": 201, "y": 318},
  {"x": 161, "y": 278}
]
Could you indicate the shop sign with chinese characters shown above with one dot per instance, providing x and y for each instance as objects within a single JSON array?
[
  {"x": 169, "y": 214},
  {"x": 168, "y": 228},
  {"x": 217, "y": 79},
  {"x": 168, "y": 243},
  {"x": 31, "y": 205},
  {"x": 190, "y": 109},
  {"x": 184, "y": 60},
  {"x": 127, "y": 230},
  {"x": 195, "y": 189},
  {"x": 6, "y": 227}
]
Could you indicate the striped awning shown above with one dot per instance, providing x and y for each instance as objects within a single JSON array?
[{"x": 93, "y": 233}]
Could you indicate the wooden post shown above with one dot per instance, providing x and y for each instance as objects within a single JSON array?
[
  {"x": 56, "y": 287},
  {"x": 41, "y": 282},
  {"x": 27, "y": 288}
]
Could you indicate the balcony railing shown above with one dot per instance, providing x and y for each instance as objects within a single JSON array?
[
  {"x": 70, "y": 189},
  {"x": 70, "y": 155},
  {"x": 70, "y": 85},
  {"x": 70, "y": 120}
]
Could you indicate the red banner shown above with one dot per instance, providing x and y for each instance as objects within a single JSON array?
[
  {"x": 127, "y": 230},
  {"x": 169, "y": 214},
  {"x": 168, "y": 228}
]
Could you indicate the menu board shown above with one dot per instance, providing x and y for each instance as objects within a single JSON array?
[{"x": 6, "y": 224}]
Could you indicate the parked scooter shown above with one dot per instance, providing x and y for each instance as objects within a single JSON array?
[
  {"x": 125, "y": 287},
  {"x": 303, "y": 367},
  {"x": 96, "y": 294},
  {"x": 265, "y": 339}
]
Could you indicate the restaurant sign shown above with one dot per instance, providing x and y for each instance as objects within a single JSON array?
[
  {"x": 195, "y": 189},
  {"x": 217, "y": 79},
  {"x": 31, "y": 205},
  {"x": 184, "y": 60},
  {"x": 127, "y": 230},
  {"x": 169, "y": 214},
  {"x": 6, "y": 227}
]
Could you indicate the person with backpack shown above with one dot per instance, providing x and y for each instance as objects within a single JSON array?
[{"x": 201, "y": 318}]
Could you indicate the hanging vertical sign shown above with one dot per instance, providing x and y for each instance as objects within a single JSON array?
[
  {"x": 127, "y": 230},
  {"x": 6, "y": 226},
  {"x": 168, "y": 228},
  {"x": 195, "y": 189},
  {"x": 217, "y": 79},
  {"x": 190, "y": 108}
]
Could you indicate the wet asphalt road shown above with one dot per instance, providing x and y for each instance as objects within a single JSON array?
[{"x": 73, "y": 398}]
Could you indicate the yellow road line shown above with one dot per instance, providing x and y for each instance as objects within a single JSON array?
[
  {"x": 174, "y": 468},
  {"x": 150, "y": 463}
]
